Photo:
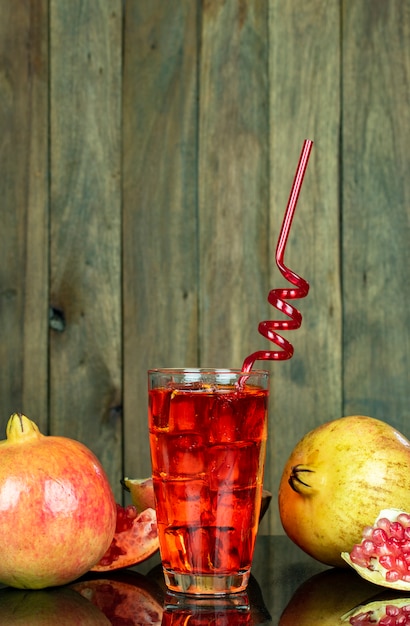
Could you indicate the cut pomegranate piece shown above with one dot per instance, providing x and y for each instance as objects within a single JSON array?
[
  {"x": 142, "y": 492},
  {"x": 383, "y": 556},
  {"x": 135, "y": 539}
]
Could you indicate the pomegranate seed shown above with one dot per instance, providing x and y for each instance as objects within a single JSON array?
[
  {"x": 384, "y": 550},
  {"x": 131, "y": 512},
  {"x": 392, "y": 610},
  {"x": 401, "y": 565},
  {"x": 368, "y": 547},
  {"x": 379, "y": 536},
  {"x": 367, "y": 532},
  {"x": 384, "y": 523},
  {"x": 404, "y": 519},
  {"x": 358, "y": 557},
  {"x": 387, "y": 561},
  {"x": 125, "y": 517},
  {"x": 392, "y": 576},
  {"x": 397, "y": 531},
  {"x": 394, "y": 546}
]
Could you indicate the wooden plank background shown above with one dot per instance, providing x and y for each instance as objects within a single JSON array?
[
  {"x": 147, "y": 150},
  {"x": 85, "y": 353}
]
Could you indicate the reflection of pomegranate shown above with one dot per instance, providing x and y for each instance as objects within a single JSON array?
[
  {"x": 57, "y": 509},
  {"x": 129, "y": 599},
  {"x": 47, "y": 607},
  {"x": 324, "y": 598},
  {"x": 381, "y": 611},
  {"x": 337, "y": 479}
]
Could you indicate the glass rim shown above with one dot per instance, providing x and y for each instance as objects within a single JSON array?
[{"x": 208, "y": 371}]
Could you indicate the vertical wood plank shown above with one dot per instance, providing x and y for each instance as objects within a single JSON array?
[
  {"x": 159, "y": 186},
  {"x": 85, "y": 242},
  {"x": 305, "y": 103},
  {"x": 233, "y": 180},
  {"x": 24, "y": 210},
  {"x": 376, "y": 209}
]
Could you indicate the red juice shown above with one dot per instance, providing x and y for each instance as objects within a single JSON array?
[{"x": 207, "y": 446}]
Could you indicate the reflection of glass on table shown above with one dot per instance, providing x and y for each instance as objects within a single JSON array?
[{"x": 179, "y": 610}]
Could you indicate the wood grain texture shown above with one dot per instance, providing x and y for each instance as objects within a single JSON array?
[
  {"x": 160, "y": 215},
  {"x": 233, "y": 180},
  {"x": 85, "y": 227},
  {"x": 305, "y": 103},
  {"x": 376, "y": 215},
  {"x": 24, "y": 211},
  {"x": 147, "y": 150}
]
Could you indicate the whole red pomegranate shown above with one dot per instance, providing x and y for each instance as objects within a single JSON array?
[
  {"x": 57, "y": 509},
  {"x": 337, "y": 479}
]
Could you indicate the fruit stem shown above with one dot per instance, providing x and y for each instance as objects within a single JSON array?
[
  {"x": 296, "y": 482},
  {"x": 20, "y": 428}
]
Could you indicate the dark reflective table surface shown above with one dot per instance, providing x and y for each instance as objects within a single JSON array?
[
  {"x": 287, "y": 587},
  {"x": 279, "y": 568}
]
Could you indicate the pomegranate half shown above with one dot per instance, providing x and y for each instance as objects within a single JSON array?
[
  {"x": 337, "y": 479},
  {"x": 383, "y": 555},
  {"x": 134, "y": 541},
  {"x": 57, "y": 509}
]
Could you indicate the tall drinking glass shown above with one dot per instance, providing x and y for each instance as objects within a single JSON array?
[{"x": 208, "y": 440}]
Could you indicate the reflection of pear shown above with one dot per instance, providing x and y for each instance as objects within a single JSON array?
[
  {"x": 127, "y": 599},
  {"x": 325, "y": 597},
  {"x": 49, "y": 607}
]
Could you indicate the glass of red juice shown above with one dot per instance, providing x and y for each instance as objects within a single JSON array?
[{"x": 207, "y": 431}]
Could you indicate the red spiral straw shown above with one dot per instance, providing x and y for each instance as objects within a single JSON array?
[{"x": 278, "y": 297}]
